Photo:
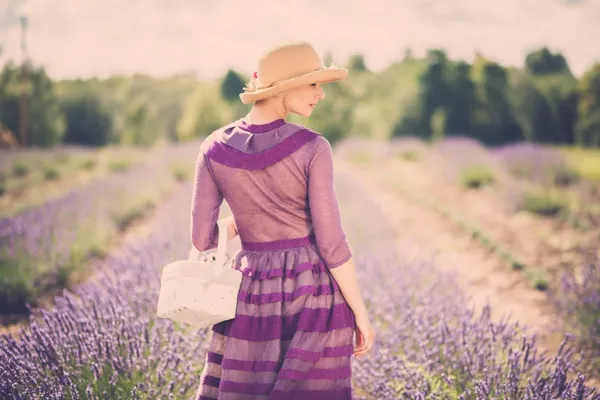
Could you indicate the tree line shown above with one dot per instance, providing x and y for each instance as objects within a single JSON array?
[{"x": 429, "y": 97}]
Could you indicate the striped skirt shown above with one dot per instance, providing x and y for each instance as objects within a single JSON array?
[{"x": 292, "y": 337}]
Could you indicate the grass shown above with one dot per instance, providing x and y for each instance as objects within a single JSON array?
[
  {"x": 544, "y": 203},
  {"x": 476, "y": 176},
  {"x": 119, "y": 165},
  {"x": 585, "y": 161},
  {"x": 181, "y": 172}
]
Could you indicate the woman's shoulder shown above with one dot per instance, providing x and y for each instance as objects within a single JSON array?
[{"x": 216, "y": 136}]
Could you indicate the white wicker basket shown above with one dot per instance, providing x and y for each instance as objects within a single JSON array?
[{"x": 202, "y": 290}]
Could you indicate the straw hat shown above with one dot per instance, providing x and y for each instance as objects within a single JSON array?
[{"x": 287, "y": 67}]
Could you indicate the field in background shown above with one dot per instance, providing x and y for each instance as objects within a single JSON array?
[{"x": 530, "y": 206}]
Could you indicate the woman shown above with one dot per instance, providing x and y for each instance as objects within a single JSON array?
[{"x": 299, "y": 304}]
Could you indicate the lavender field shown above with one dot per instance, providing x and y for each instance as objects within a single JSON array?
[
  {"x": 42, "y": 246},
  {"x": 102, "y": 339}
]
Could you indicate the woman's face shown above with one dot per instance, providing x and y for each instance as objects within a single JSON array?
[{"x": 303, "y": 100}]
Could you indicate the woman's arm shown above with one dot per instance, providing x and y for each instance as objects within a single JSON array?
[
  {"x": 330, "y": 236},
  {"x": 206, "y": 202}
]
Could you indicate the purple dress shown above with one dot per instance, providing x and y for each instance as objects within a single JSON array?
[{"x": 292, "y": 337}]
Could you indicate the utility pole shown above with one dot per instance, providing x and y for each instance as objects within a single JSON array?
[{"x": 24, "y": 114}]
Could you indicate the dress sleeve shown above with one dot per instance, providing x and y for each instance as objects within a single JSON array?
[
  {"x": 324, "y": 208},
  {"x": 206, "y": 201}
]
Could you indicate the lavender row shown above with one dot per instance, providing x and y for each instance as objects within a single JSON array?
[
  {"x": 40, "y": 246},
  {"x": 430, "y": 344},
  {"x": 103, "y": 340}
]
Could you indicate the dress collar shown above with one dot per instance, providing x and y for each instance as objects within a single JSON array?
[{"x": 261, "y": 128}]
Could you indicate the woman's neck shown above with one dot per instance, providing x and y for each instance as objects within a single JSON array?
[{"x": 263, "y": 114}]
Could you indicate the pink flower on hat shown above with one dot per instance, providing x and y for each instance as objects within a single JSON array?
[{"x": 253, "y": 84}]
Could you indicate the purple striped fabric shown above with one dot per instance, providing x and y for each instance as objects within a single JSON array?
[
  {"x": 281, "y": 272},
  {"x": 260, "y": 329},
  {"x": 266, "y": 298},
  {"x": 292, "y": 336}
]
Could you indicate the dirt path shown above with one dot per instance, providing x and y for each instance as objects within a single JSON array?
[{"x": 482, "y": 275}]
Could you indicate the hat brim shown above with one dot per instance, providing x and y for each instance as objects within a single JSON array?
[{"x": 327, "y": 75}]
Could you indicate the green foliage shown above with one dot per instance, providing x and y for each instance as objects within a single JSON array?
[
  {"x": 543, "y": 203},
  {"x": 543, "y": 61},
  {"x": 409, "y": 155},
  {"x": 143, "y": 110},
  {"x": 204, "y": 112},
  {"x": 231, "y": 86},
  {"x": 356, "y": 63},
  {"x": 119, "y": 165},
  {"x": 45, "y": 120},
  {"x": 586, "y": 162},
  {"x": 51, "y": 173},
  {"x": 476, "y": 176},
  {"x": 181, "y": 172},
  {"x": 88, "y": 123},
  {"x": 434, "y": 86},
  {"x": 333, "y": 118},
  {"x": 561, "y": 94},
  {"x": 20, "y": 169},
  {"x": 565, "y": 176},
  {"x": 87, "y": 164},
  {"x": 532, "y": 110},
  {"x": 428, "y": 98},
  {"x": 588, "y": 127},
  {"x": 494, "y": 118},
  {"x": 461, "y": 102},
  {"x": 128, "y": 211}
]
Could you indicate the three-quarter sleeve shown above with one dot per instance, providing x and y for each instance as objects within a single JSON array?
[
  {"x": 206, "y": 201},
  {"x": 324, "y": 208}
]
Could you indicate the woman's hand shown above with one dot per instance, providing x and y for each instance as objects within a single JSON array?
[{"x": 365, "y": 336}]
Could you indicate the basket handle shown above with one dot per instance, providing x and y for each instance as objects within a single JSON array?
[{"x": 221, "y": 246}]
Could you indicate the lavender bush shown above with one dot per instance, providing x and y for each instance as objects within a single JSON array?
[
  {"x": 430, "y": 344},
  {"x": 536, "y": 163},
  {"x": 102, "y": 340},
  {"x": 578, "y": 300},
  {"x": 462, "y": 154},
  {"x": 42, "y": 246}
]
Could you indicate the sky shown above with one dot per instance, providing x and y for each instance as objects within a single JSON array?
[{"x": 83, "y": 38}]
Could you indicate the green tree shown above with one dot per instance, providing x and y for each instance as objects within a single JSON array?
[
  {"x": 137, "y": 124},
  {"x": 460, "y": 102},
  {"x": 87, "y": 121},
  {"x": 231, "y": 86},
  {"x": 433, "y": 86},
  {"x": 495, "y": 121},
  {"x": 543, "y": 61},
  {"x": 532, "y": 110},
  {"x": 46, "y": 122},
  {"x": 410, "y": 122},
  {"x": 357, "y": 63},
  {"x": 204, "y": 112},
  {"x": 588, "y": 127}
]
